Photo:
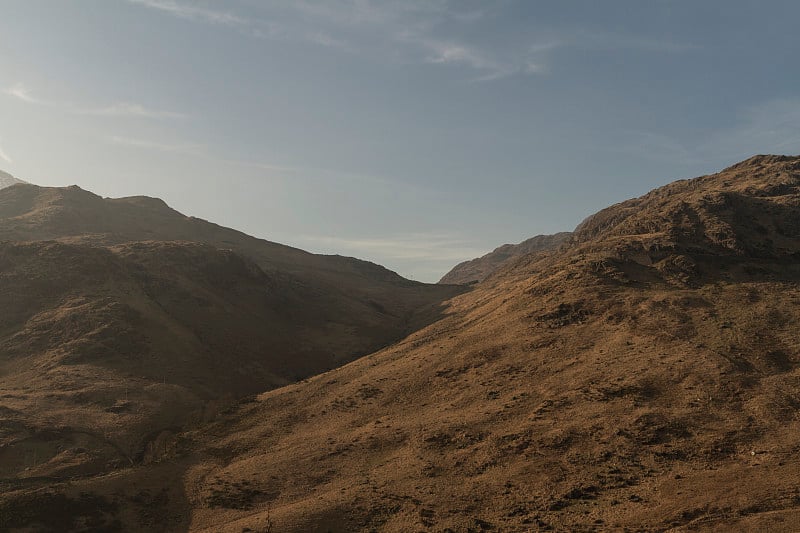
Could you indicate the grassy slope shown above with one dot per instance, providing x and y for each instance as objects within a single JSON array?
[
  {"x": 109, "y": 344},
  {"x": 645, "y": 378}
]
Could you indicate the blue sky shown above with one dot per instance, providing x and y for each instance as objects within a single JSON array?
[{"x": 415, "y": 134}]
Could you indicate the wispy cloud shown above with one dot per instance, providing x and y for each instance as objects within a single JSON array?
[
  {"x": 197, "y": 150},
  {"x": 364, "y": 27},
  {"x": 484, "y": 62},
  {"x": 411, "y": 246},
  {"x": 618, "y": 41},
  {"x": 424, "y": 256},
  {"x": 327, "y": 41},
  {"x": 282, "y": 169},
  {"x": 4, "y": 156},
  {"x": 369, "y": 13},
  {"x": 458, "y": 54},
  {"x": 433, "y": 32},
  {"x": 120, "y": 109},
  {"x": 532, "y": 59},
  {"x": 258, "y": 27},
  {"x": 767, "y": 127},
  {"x": 653, "y": 145},
  {"x": 194, "y": 12},
  {"x": 19, "y": 91},
  {"x": 436, "y": 33},
  {"x": 127, "y": 109},
  {"x": 186, "y": 149}
]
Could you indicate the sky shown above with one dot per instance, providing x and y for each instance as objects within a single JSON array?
[{"x": 415, "y": 134}]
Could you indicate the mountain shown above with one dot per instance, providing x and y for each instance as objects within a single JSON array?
[
  {"x": 123, "y": 320},
  {"x": 478, "y": 269},
  {"x": 339, "y": 287},
  {"x": 643, "y": 377},
  {"x": 7, "y": 180}
]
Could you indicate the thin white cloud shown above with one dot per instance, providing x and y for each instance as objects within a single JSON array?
[
  {"x": 533, "y": 68},
  {"x": 308, "y": 173},
  {"x": 362, "y": 27},
  {"x": 19, "y": 91},
  {"x": 186, "y": 149},
  {"x": 653, "y": 145},
  {"x": 193, "y": 12},
  {"x": 325, "y": 40},
  {"x": 258, "y": 27},
  {"x": 127, "y": 109},
  {"x": 768, "y": 127},
  {"x": 497, "y": 64},
  {"x": 369, "y": 13},
  {"x": 459, "y": 54},
  {"x": 197, "y": 151},
  {"x": 5, "y": 157},
  {"x": 419, "y": 30},
  {"x": 120, "y": 109},
  {"x": 615, "y": 41},
  {"x": 278, "y": 171},
  {"x": 412, "y": 246},
  {"x": 498, "y": 74},
  {"x": 267, "y": 166},
  {"x": 406, "y": 27},
  {"x": 473, "y": 58}
]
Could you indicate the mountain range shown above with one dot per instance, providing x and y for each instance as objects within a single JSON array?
[
  {"x": 641, "y": 375},
  {"x": 123, "y": 320}
]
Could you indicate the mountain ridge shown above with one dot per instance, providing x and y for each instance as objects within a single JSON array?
[
  {"x": 643, "y": 377},
  {"x": 140, "y": 320}
]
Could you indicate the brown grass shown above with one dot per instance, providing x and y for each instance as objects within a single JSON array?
[{"x": 644, "y": 379}]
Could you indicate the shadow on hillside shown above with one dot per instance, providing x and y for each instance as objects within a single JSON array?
[{"x": 152, "y": 494}]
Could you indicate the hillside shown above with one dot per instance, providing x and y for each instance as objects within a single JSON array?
[
  {"x": 643, "y": 378},
  {"x": 478, "y": 269},
  {"x": 71, "y": 214},
  {"x": 109, "y": 342},
  {"x": 362, "y": 300}
]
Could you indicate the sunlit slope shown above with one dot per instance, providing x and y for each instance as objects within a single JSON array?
[{"x": 644, "y": 378}]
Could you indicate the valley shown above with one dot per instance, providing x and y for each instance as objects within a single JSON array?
[{"x": 642, "y": 376}]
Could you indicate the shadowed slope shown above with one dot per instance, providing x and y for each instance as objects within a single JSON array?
[
  {"x": 71, "y": 214},
  {"x": 109, "y": 343},
  {"x": 368, "y": 303}
]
